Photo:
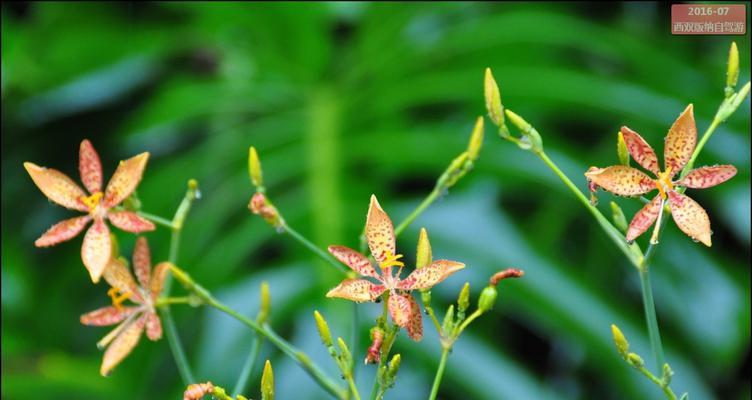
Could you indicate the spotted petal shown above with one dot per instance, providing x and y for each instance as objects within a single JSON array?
[
  {"x": 353, "y": 259},
  {"x": 122, "y": 346},
  {"x": 90, "y": 167},
  {"x": 427, "y": 277},
  {"x": 158, "y": 277},
  {"x": 405, "y": 312},
  {"x": 153, "y": 326},
  {"x": 621, "y": 180},
  {"x": 142, "y": 261},
  {"x": 358, "y": 290},
  {"x": 690, "y": 217},
  {"x": 379, "y": 232},
  {"x": 119, "y": 276},
  {"x": 130, "y": 221},
  {"x": 640, "y": 150},
  {"x": 680, "y": 141},
  {"x": 57, "y": 186},
  {"x": 96, "y": 249},
  {"x": 62, "y": 231},
  {"x": 107, "y": 316},
  {"x": 125, "y": 179},
  {"x": 644, "y": 218},
  {"x": 705, "y": 177}
]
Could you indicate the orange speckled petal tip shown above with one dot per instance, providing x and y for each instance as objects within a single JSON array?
[
  {"x": 142, "y": 261},
  {"x": 405, "y": 312},
  {"x": 122, "y": 346},
  {"x": 640, "y": 150},
  {"x": 125, "y": 179},
  {"x": 353, "y": 259},
  {"x": 427, "y": 277},
  {"x": 705, "y": 177},
  {"x": 158, "y": 277},
  {"x": 358, "y": 290},
  {"x": 57, "y": 186},
  {"x": 96, "y": 249},
  {"x": 90, "y": 167},
  {"x": 105, "y": 316},
  {"x": 644, "y": 218},
  {"x": 63, "y": 231},
  {"x": 621, "y": 180},
  {"x": 379, "y": 232},
  {"x": 153, "y": 326},
  {"x": 130, "y": 221},
  {"x": 690, "y": 217},
  {"x": 680, "y": 141}
]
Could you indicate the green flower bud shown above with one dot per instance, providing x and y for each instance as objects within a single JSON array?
[
  {"x": 267, "y": 382},
  {"x": 394, "y": 365},
  {"x": 667, "y": 374},
  {"x": 424, "y": 256},
  {"x": 266, "y": 303},
  {"x": 493, "y": 99},
  {"x": 487, "y": 298},
  {"x": 622, "y": 346},
  {"x": 635, "y": 360},
  {"x": 476, "y": 140},
  {"x": 448, "y": 324},
  {"x": 621, "y": 149},
  {"x": 463, "y": 300},
  {"x": 254, "y": 168},
  {"x": 618, "y": 216},
  {"x": 345, "y": 351},
  {"x": 323, "y": 328},
  {"x": 732, "y": 72}
]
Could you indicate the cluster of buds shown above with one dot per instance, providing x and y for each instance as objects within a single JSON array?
[
  {"x": 633, "y": 359},
  {"x": 529, "y": 138},
  {"x": 259, "y": 203},
  {"x": 733, "y": 98}
]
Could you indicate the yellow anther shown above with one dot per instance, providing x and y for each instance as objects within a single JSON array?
[
  {"x": 391, "y": 260},
  {"x": 92, "y": 201},
  {"x": 663, "y": 183},
  {"x": 117, "y": 301}
]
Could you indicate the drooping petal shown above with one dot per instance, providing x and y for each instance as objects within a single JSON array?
[
  {"x": 62, "y": 231},
  {"x": 379, "y": 232},
  {"x": 96, "y": 249},
  {"x": 90, "y": 167},
  {"x": 405, "y": 312},
  {"x": 118, "y": 276},
  {"x": 426, "y": 277},
  {"x": 644, "y": 218},
  {"x": 640, "y": 150},
  {"x": 122, "y": 346},
  {"x": 107, "y": 316},
  {"x": 125, "y": 179},
  {"x": 621, "y": 180},
  {"x": 57, "y": 187},
  {"x": 358, "y": 262},
  {"x": 157, "y": 279},
  {"x": 705, "y": 177},
  {"x": 142, "y": 261},
  {"x": 357, "y": 290},
  {"x": 690, "y": 217},
  {"x": 130, "y": 221},
  {"x": 153, "y": 326},
  {"x": 680, "y": 141}
]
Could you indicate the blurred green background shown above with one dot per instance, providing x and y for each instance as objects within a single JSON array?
[{"x": 347, "y": 99}]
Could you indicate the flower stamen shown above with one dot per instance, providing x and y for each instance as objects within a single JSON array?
[
  {"x": 92, "y": 201},
  {"x": 391, "y": 260},
  {"x": 117, "y": 301},
  {"x": 663, "y": 183}
]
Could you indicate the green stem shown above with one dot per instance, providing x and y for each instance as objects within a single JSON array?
[
  {"x": 477, "y": 313},
  {"x": 173, "y": 339},
  {"x": 265, "y": 331},
  {"x": 631, "y": 251},
  {"x": 351, "y": 384},
  {"x": 439, "y": 374},
  {"x": 354, "y": 334},
  {"x": 432, "y": 315},
  {"x": 650, "y": 317},
  {"x": 666, "y": 389},
  {"x": 250, "y": 361},
  {"x": 164, "y": 301},
  {"x": 310, "y": 246},
  {"x": 435, "y": 193},
  {"x": 156, "y": 219}
]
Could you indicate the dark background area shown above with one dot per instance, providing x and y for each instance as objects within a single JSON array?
[{"x": 347, "y": 99}]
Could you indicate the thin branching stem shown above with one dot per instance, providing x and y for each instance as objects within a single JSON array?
[{"x": 439, "y": 374}]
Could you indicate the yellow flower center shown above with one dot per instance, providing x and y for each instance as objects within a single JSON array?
[
  {"x": 663, "y": 183},
  {"x": 391, "y": 260},
  {"x": 92, "y": 201},
  {"x": 117, "y": 301}
]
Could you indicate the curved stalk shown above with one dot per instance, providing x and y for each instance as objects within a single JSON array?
[{"x": 439, "y": 374}]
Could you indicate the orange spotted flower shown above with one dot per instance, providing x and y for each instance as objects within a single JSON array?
[
  {"x": 98, "y": 205},
  {"x": 132, "y": 319},
  {"x": 403, "y": 308},
  {"x": 627, "y": 181}
]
